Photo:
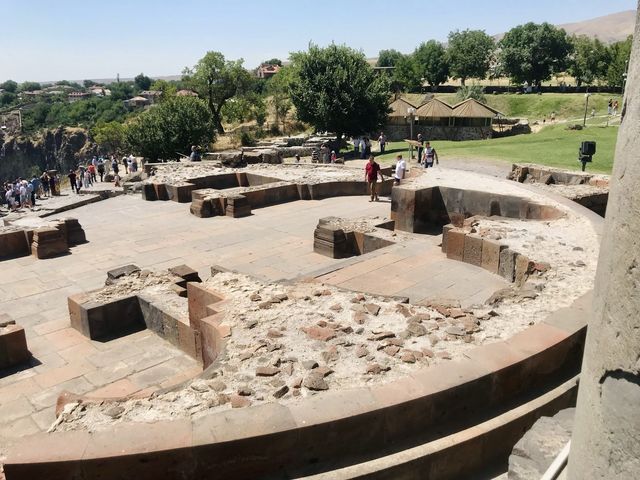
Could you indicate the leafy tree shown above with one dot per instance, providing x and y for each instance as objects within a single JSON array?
[
  {"x": 29, "y": 86},
  {"x": 171, "y": 128},
  {"x": 7, "y": 98},
  {"x": 336, "y": 90},
  {"x": 273, "y": 61},
  {"x": 142, "y": 82},
  {"x": 469, "y": 54},
  {"x": 388, "y": 58},
  {"x": 89, "y": 83},
  {"x": 121, "y": 90},
  {"x": 279, "y": 90},
  {"x": 217, "y": 80},
  {"x": 110, "y": 137},
  {"x": 9, "y": 86},
  {"x": 432, "y": 62},
  {"x": 168, "y": 89},
  {"x": 589, "y": 61},
  {"x": 406, "y": 75},
  {"x": 619, "y": 53},
  {"x": 533, "y": 52},
  {"x": 471, "y": 91}
]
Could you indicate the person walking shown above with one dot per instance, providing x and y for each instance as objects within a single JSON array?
[
  {"x": 101, "y": 169},
  {"x": 72, "y": 181},
  {"x": 401, "y": 167},
  {"x": 420, "y": 147},
  {"x": 430, "y": 155},
  {"x": 371, "y": 173},
  {"x": 195, "y": 155},
  {"x": 382, "y": 139},
  {"x": 615, "y": 108},
  {"x": 609, "y": 106}
]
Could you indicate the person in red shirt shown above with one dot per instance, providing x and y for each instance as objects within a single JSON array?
[{"x": 372, "y": 170}]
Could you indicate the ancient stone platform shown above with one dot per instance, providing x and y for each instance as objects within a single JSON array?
[{"x": 45, "y": 241}]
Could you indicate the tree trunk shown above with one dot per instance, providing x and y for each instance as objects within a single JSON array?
[
  {"x": 462, "y": 80},
  {"x": 218, "y": 120}
]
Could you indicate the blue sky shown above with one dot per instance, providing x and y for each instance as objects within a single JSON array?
[{"x": 68, "y": 39}]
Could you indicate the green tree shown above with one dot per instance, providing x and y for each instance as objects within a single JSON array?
[
  {"x": 406, "y": 75},
  {"x": 619, "y": 54},
  {"x": 273, "y": 61},
  {"x": 9, "y": 86},
  {"x": 279, "y": 91},
  {"x": 388, "y": 58},
  {"x": 121, "y": 90},
  {"x": 432, "y": 62},
  {"x": 168, "y": 89},
  {"x": 29, "y": 86},
  {"x": 469, "y": 54},
  {"x": 336, "y": 90},
  {"x": 470, "y": 91},
  {"x": 7, "y": 98},
  {"x": 89, "y": 83},
  {"x": 110, "y": 137},
  {"x": 142, "y": 82},
  {"x": 170, "y": 129},
  {"x": 589, "y": 61},
  {"x": 533, "y": 52},
  {"x": 217, "y": 80}
]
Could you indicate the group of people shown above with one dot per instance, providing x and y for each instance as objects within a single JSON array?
[
  {"x": 612, "y": 107},
  {"x": 87, "y": 174},
  {"x": 22, "y": 193}
]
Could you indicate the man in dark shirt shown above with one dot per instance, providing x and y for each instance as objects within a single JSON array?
[
  {"x": 72, "y": 181},
  {"x": 372, "y": 170}
]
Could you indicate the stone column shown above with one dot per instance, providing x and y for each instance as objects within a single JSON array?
[{"x": 606, "y": 437}]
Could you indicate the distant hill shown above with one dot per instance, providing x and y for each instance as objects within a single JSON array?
[{"x": 609, "y": 28}]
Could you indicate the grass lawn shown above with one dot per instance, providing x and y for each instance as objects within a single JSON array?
[{"x": 553, "y": 145}]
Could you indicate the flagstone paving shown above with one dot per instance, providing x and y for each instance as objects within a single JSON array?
[{"x": 274, "y": 243}]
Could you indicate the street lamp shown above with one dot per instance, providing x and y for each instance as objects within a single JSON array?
[
  {"x": 586, "y": 106},
  {"x": 411, "y": 113}
]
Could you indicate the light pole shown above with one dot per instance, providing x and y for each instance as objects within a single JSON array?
[
  {"x": 586, "y": 106},
  {"x": 411, "y": 113}
]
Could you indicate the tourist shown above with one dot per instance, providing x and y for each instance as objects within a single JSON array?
[
  {"x": 401, "y": 167},
  {"x": 553, "y": 116},
  {"x": 333, "y": 156},
  {"x": 53, "y": 185},
  {"x": 430, "y": 155},
  {"x": 315, "y": 155},
  {"x": 72, "y": 181},
  {"x": 134, "y": 164},
  {"x": 297, "y": 158},
  {"x": 101, "y": 169},
  {"x": 382, "y": 139},
  {"x": 44, "y": 178},
  {"x": 609, "y": 106},
  {"x": 371, "y": 172},
  {"x": 130, "y": 162},
  {"x": 35, "y": 189},
  {"x": 363, "y": 148},
  {"x": 125, "y": 164},
  {"x": 114, "y": 166},
  {"x": 195, "y": 155},
  {"x": 91, "y": 169},
  {"x": 615, "y": 108},
  {"x": 356, "y": 146},
  {"x": 420, "y": 147}
]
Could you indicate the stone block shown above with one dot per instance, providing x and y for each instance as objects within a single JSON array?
[
  {"x": 455, "y": 244},
  {"x": 48, "y": 242},
  {"x": 472, "y": 252},
  {"x": 523, "y": 268},
  {"x": 507, "y": 266},
  {"x": 74, "y": 233},
  {"x": 105, "y": 321},
  {"x": 186, "y": 273},
  {"x": 13, "y": 346},
  {"x": 491, "y": 250},
  {"x": 149, "y": 192},
  {"x": 121, "y": 272},
  {"x": 14, "y": 244},
  {"x": 237, "y": 206}
]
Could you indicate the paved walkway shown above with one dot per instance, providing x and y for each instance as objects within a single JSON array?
[{"x": 273, "y": 243}]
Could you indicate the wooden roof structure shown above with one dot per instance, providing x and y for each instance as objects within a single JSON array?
[
  {"x": 435, "y": 108},
  {"x": 472, "y": 108},
  {"x": 399, "y": 108}
]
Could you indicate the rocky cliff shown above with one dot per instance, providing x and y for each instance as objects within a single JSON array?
[{"x": 61, "y": 149}]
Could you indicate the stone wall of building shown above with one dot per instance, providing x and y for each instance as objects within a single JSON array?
[{"x": 400, "y": 132}]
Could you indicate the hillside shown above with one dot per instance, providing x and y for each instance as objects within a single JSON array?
[{"x": 609, "y": 29}]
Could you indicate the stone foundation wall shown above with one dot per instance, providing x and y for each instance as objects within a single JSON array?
[{"x": 400, "y": 132}]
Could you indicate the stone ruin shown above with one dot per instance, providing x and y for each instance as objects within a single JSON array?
[
  {"x": 49, "y": 239},
  {"x": 397, "y": 386}
]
